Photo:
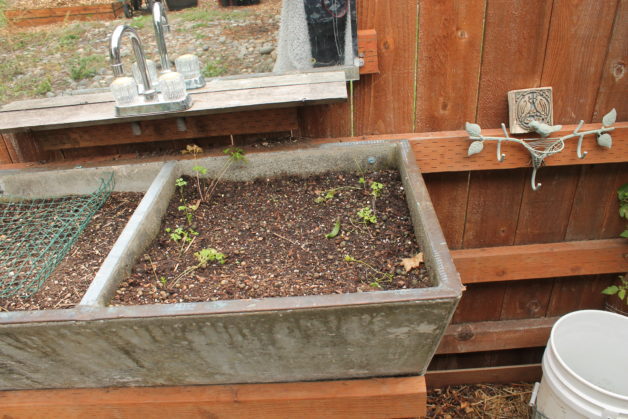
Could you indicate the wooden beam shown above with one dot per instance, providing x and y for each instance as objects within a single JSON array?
[
  {"x": 550, "y": 260},
  {"x": 367, "y": 51},
  {"x": 507, "y": 374},
  {"x": 371, "y": 398},
  {"x": 446, "y": 151},
  {"x": 22, "y": 147},
  {"x": 496, "y": 335},
  {"x": 252, "y": 122}
]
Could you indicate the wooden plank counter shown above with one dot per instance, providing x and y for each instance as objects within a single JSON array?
[{"x": 219, "y": 96}]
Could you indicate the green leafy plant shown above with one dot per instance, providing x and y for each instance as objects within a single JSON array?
[
  {"x": 378, "y": 276},
  {"x": 214, "y": 68},
  {"x": 182, "y": 236},
  {"x": 43, "y": 87},
  {"x": 85, "y": 67},
  {"x": 376, "y": 189},
  {"x": 329, "y": 194},
  {"x": 621, "y": 290},
  {"x": 334, "y": 232},
  {"x": 204, "y": 256},
  {"x": 367, "y": 216}
]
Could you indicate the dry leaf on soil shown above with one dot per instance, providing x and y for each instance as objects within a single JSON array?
[{"x": 413, "y": 262}]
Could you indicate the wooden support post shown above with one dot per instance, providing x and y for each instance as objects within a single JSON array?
[{"x": 370, "y": 398}]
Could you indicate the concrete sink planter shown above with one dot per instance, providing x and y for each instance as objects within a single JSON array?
[{"x": 374, "y": 334}]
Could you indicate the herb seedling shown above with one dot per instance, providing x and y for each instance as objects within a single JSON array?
[
  {"x": 378, "y": 276},
  {"x": 367, "y": 216},
  {"x": 204, "y": 256},
  {"x": 620, "y": 290}
]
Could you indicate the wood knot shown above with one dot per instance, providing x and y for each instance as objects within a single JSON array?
[{"x": 466, "y": 333}]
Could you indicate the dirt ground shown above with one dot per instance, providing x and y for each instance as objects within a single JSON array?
[{"x": 280, "y": 237}]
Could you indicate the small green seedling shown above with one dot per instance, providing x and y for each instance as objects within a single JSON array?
[
  {"x": 235, "y": 153},
  {"x": 620, "y": 290},
  {"x": 163, "y": 280},
  {"x": 378, "y": 276},
  {"x": 334, "y": 232},
  {"x": 367, "y": 216},
  {"x": 376, "y": 189},
  {"x": 204, "y": 256}
]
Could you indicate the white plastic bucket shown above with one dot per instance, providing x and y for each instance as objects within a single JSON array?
[{"x": 585, "y": 367}]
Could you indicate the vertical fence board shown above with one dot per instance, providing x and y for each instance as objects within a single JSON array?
[
  {"x": 544, "y": 213},
  {"x": 576, "y": 49},
  {"x": 575, "y": 293},
  {"x": 526, "y": 299},
  {"x": 594, "y": 198},
  {"x": 449, "y": 193},
  {"x": 326, "y": 121},
  {"x": 614, "y": 84},
  {"x": 480, "y": 302},
  {"x": 493, "y": 208},
  {"x": 450, "y": 45},
  {"x": 384, "y": 101},
  {"x": 512, "y": 54}
]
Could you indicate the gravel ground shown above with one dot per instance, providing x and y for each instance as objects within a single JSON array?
[{"x": 59, "y": 59}]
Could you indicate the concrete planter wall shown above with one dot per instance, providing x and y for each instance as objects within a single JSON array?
[{"x": 383, "y": 333}]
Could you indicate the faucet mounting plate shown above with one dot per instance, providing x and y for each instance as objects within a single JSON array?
[{"x": 159, "y": 106}]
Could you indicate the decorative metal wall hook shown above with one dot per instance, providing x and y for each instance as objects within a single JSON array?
[
  {"x": 579, "y": 152},
  {"x": 536, "y": 163},
  {"x": 540, "y": 148}
]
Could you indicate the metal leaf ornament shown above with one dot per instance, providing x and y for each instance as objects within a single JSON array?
[
  {"x": 609, "y": 119},
  {"x": 474, "y": 130},
  {"x": 605, "y": 140},
  {"x": 475, "y": 148}
]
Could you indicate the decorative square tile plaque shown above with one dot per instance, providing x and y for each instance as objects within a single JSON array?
[{"x": 527, "y": 105}]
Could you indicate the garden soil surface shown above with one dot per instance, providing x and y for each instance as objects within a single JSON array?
[
  {"x": 273, "y": 235},
  {"x": 69, "y": 281}
]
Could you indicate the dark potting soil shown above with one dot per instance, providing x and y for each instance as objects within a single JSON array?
[
  {"x": 65, "y": 287},
  {"x": 273, "y": 236}
]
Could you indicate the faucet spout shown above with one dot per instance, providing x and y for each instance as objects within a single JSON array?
[
  {"x": 140, "y": 57},
  {"x": 160, "y": 23}
]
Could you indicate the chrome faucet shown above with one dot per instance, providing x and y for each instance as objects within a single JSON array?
[
  {"x": 116, "y": 62},
  {"x": 160, "y": 23}
]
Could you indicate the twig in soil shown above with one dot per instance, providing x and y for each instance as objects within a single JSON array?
[
  {"x": 152, "y": 265},
  {"x": 502, "y": 396},
  {"x": 3, "y": 309},
  {"x": 292, "y": 241},
  {"x": 191, "y": 241}
]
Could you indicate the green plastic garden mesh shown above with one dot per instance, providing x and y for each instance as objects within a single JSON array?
[{"x": 36, "y": 234}]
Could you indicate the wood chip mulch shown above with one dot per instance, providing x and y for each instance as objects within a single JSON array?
[
  {"x": 69, "y": 281},
  {"x": 273, "y": 235},
  {"x": 490, "y": 401}
]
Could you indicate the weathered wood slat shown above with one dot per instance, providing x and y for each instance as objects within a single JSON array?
[
  {"x": 578, "y": 40},
  {"x": 373, "y": 398},
  {"x": 495, "y": 335},
  {"x": 450, "y": 44},
  {"x": 271, "y": 120},
  {"x": 614, "y": 83},
  {"x": 206, "y": 103},
  {"x": 510, "y": 263},
  {"x": 516, "y": 31},
  {"x": 385, "y": 100},
  {"x": 508, "y": 374},
  {"x": 22, "y": 23}
]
